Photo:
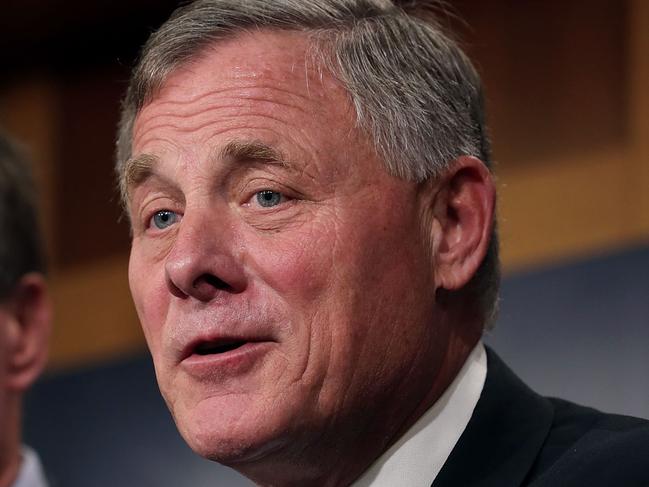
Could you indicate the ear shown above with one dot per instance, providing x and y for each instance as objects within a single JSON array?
[
  {"x": 29, "y": 321},
  {"x": 462, "y": 221}
]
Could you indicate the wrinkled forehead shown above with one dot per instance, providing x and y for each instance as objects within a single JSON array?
[
  {"x": 269, "y": 63},
  {"x": 257, "y": 87}
]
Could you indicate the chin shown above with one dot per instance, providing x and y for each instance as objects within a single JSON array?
[
  {"x": 227, "y": 451},
  {"x": 228, "y": 433}
]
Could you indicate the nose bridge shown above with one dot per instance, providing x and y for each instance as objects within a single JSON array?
[{"x": 205, "y": 259}]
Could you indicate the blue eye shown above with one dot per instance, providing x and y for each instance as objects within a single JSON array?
[
  {"x": 269, "y": 198},
  {"x": 164, "y": 218}
]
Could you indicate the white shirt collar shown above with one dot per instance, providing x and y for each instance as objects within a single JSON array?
[
  {"x": 31, "y": 471},
  {"x": 418, "y": 456}
]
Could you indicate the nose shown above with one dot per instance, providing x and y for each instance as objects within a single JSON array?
[{"x": 205, "y": 261}]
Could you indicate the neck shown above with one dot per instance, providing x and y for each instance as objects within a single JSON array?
[
  {"x": 9, "y": 442},
  {"x": 10, "y": 471}
]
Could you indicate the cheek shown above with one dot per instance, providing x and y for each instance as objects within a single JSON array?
[
  {"x": 297, "y": 265},
  {"x": 297, "y": 271},
  {"x": 150, "y": 297},
  {"x": 344, "y": 267},
  {"x": 343, "y": 280}
]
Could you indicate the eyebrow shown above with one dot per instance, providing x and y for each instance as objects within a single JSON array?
[
  {"x": 140, "y": 168},
  {"x": 250, "y": 151}
]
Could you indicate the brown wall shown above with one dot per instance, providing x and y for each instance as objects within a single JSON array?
[{"x": 566, "y": 87}]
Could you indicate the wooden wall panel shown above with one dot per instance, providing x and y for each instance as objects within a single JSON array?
[
  {"x": 555, "y": 74},
  {"x": 639, "y": 103},
  {"x": 568, "y": 208},
  {"x": 92, "y": 228},
  {"x": 29, "y": 111},
  {"x": 95, "y": 318}
]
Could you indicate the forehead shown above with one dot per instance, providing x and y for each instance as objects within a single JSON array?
[
  {"x": 254, "y": 56},
  {"x": 272, "y": 73},
  {"x": 258, "y": 55},
  {"x": 259, "y": 89}
]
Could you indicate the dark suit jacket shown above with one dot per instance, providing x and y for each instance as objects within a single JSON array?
[{"x": 518, "y": 438}]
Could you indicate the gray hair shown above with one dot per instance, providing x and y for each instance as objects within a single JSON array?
[
  {"x": 414, "y": 91},
  {"x": 20, "y": 239}
]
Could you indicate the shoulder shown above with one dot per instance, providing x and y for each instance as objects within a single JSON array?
[
  {"x": 518, "y": 438},
  {"x": 31, "y": 471},
  {"x": 587, "y": 447}
]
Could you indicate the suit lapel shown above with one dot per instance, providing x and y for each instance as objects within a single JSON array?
[{"x": 503, "y": 437}]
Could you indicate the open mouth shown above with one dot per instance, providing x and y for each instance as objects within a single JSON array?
[{"x": 213, "y": 348}]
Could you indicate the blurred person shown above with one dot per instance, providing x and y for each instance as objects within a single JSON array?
[
  {"x": 314, "y": 255},
  {"x": 25, "y": 314}
]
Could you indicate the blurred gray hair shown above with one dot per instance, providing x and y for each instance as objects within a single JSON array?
[
  {"x": 414, "y": 91},
  {"x": 21, "y": 248}
]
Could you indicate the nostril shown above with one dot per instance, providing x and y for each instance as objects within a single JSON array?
[
  {"x": 208, "y": 286},
  {"x": 176, "y": 291},
  {"x": 204, "y": 288},
  {"x": 212, "y": 281}
]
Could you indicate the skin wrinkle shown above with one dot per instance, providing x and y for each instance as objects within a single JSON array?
[
  {"x": 240, "y": 93},
  {"x": 254, "y": 86},
  {"x": 382, "y": 366},
  {"x": 199, "y": 127},
  {"x": 146, "y": 169},
  {"x": 344, "y": 394},
  {"x": 305, "y": 198},
  {"x": 303, "y": 368},
  {"x": 138, "y": 138},
  {"x": 234, "y": 105},
  {"x": 334, "y": 257},
  {"x": 207, "y": 112},
  {"x": 239, "y": 90}
]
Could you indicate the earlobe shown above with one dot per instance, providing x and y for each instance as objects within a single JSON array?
[
  {"x": 464, "y": 212},
  {"x": 30, "y": 325}
]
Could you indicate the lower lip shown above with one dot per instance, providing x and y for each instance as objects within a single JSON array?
[{"x": 227, "y": 364}]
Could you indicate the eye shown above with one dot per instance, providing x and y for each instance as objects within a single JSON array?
[
  {"x": 163, "y": 219},
  {"x": 268, "y": 198}
]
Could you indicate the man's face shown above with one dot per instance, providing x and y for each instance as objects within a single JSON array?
[{"x": 279, "y": 272}]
